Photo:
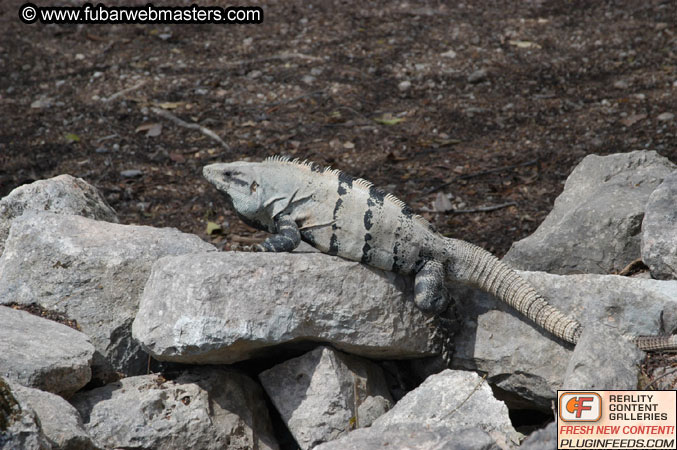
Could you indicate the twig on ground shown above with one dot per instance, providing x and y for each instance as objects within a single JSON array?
[
  {"x": 472, "y": 210},
  {"x": 482, "y": 208},
  {"x": 280, "y": 57},
  {"x": 124, "y": 91},
  {"x": 193, "y": 126},
  {"x": 658, "y": 378},
  {"x": 476, "y": 174},
  {"x": 105, "y": 138}
]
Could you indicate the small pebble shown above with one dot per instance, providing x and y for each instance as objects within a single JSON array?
[
  {"x": 665, "y": 117},
  {"x": 131, "y": 173},
  {"x": 404, "y": 85},
  {"x": 477, "y": 76}
]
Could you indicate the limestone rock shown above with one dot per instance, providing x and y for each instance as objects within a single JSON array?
[
  {"x": 452, "y": 410},
  {"x": 90, "y": 271},
  {"x": 19, "y": 425},
  {"x": 595, "y": 224},
  {"x": 40, "y": 353},
  {"x": 659, "y": 230},
  {"x": 453, "y": 400},
  {"x": 601, "y": 360},
  {"x": 229, "y": 306},
  {"x": 63, "y": 194},
  {"x": 60, "y": 421},
  {"x": 522, "y": 359},
  {"x": 204, "y": 408},
  {"x": 323, "y": 393},
  {"x": 414, "y": 437}
]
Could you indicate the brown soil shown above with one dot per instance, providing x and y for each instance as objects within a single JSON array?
[{"x": 563, "y": 79}]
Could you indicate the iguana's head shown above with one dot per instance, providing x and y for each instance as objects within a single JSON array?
[{"x": 241, "y": 183}]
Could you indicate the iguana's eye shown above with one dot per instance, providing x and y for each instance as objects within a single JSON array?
[
  {"x": 228, "y": 173},
  {"x": 253, "y": 187}
]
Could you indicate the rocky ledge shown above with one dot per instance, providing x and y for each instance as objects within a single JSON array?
[{"x": 160, "y": 341}]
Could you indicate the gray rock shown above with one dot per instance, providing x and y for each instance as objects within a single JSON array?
[
  {"x": 372, "y": 408},
  {"x": 205, "y": 408},
  {"x": 19, "y": 425},
  {"x": 455, "y": 401},
  {"x": 478, "y": 76},
  {"x": 413, "y": 438},
  {"x": 229, "y": 306},
  {"x": 60, "y": 421},
  {"x": 659, "y": 230},
  {"x": 317, "y": 394},
  {"x": 63, "y": 195},
  {"x": 404, "y": 85},
  {"x": 90, "y": 271},
  {"x": 595, "y": 224},
  {"x": 602, "y": 359},
  {"x": 543, "y": 439},
  {"x": 522, "y": 359},
  {"x": 449, "y": 54},
  {"x": 40, "y": 353}
]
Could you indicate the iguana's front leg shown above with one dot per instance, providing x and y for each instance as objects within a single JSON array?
[
  {"x": 430, "y": 292},
  {"x": 286, "y": 239}
]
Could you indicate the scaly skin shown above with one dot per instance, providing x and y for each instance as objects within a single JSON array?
[{"x": 348, "y": 217}]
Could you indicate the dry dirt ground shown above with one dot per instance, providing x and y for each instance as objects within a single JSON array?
[{"x": 483, "y": 103}]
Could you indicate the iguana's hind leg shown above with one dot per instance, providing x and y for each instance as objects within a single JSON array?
[
  {"x": 287, "y": 238},
  {"x": 430, "y": 293}
]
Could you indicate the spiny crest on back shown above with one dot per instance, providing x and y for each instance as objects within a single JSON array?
[{"x": 358, "y": 183}]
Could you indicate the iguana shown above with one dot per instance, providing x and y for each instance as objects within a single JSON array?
[{"x": 349, "y": 217}]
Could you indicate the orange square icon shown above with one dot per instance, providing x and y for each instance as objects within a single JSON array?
[{"x": 580, "y": 406}]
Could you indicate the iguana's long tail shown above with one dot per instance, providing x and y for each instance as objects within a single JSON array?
[
  {"x": 477, "y": 267},
  {"x": 656, "y": 343}
]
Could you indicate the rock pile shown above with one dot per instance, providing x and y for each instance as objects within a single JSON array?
[{"x": 311, "y": 343}]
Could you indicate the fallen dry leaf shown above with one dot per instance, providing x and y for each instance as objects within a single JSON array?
[
  {"x": 524, "y": 44},
  {"x": 151, "y": 129},
  {"x": 388, "y": 119},
  {"x": 177, "y": 157}
]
